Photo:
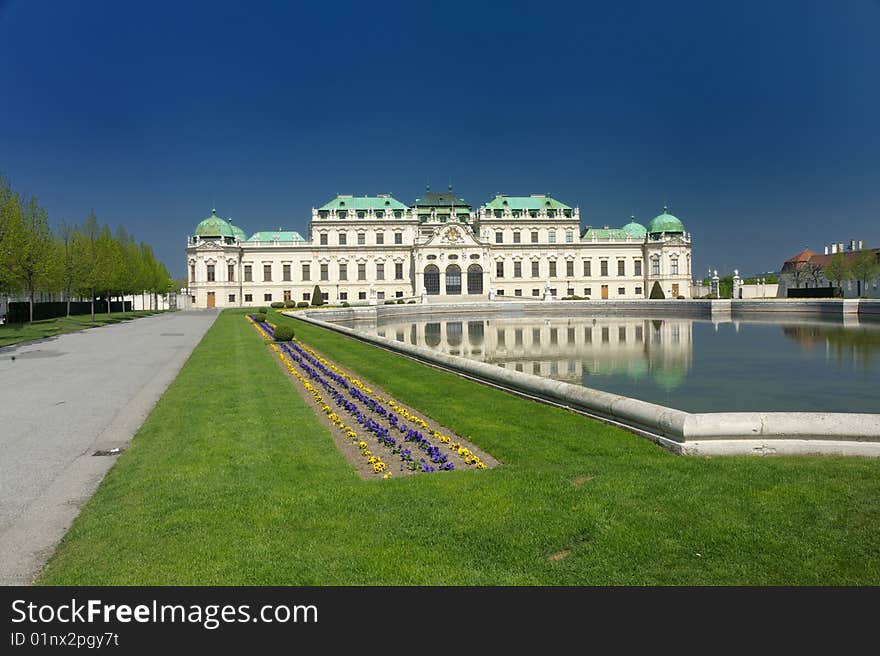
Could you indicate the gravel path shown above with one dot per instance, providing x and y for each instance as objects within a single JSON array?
[{"x": 61, "y": 400}]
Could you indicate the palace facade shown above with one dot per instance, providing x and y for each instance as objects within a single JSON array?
[{"x": 367, "y": 249}]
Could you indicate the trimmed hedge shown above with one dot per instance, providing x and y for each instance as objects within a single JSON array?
[
  {"x": 277, "y": 305},
  {"x": 302, "y": 304},
  {"x": 283, "y": 333},
  {"x": 260, "y": 316},
  {"x": 290, "y": 304}
]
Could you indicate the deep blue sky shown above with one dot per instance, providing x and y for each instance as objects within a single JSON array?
[{"x": 756, "y": 121}]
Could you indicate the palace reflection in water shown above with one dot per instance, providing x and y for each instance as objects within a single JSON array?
[
  {"x": 571, "y": 350},
  {"x": 691, "y": 364}
]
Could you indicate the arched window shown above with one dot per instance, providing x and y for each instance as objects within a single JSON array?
[
  {"x": 475, "y": 333},
  {"x": 432, "y": 279},
  {"x": 453, "y": 280},
  {"x": 432, "y": 334},
  {"x": 453, "y": 333},
  {"x": 475, "y": 279}
]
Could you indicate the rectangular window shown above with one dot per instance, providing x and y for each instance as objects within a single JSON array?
[
  {"x": 232, "y": 298},
  {"x": 517, "y": 332},
  {"x": 517, "y": 292},
  {"x": 362, "y": 238},
  {"x": 343, "y": 239},
  {"x": 639, "y": 334},
  {"x": 499, "y": 269},
  {"x": 307, "y": 296},
  {"x": 380, "y": 271},
  {"x": 673, "y": 269},
  {"x": 307, "y": 274},
  {"x": 343, "y": 271},
  {"x": 638, "y": 267},
  {"x": 499, "y": 237},
  {"x": 248, "y": 298},
  {"x": 230, "y": 272},
  {"x": 500, "y": 292},
  {"x": 516, "y": 237},
  {"x": 248, "y": 273},
  {"x": 569, "y": 291},
  {"x": 655, "y": 267},
  {"x": 362, "y": 271},
  {"x": 621, "y": 268},
  {"x": 285, "y": 272},
  {"x": 325, "y": 296},
  {"x": 552, "y": 268},
  {"x": 398, "y": 270},
  {"x": 569, "y": 269},
  {"x": 398, "y": 294},
  {"x": 517, "y": 269},
  {"x": 554, "y": 336},
  {"x": 362, "y": 296},
  {"x": 588, "y": 268},
  {"x": 210, "y": 273},
  {"x": 380, "y": 296},
  {"x": 588, "y": 291},
  {"x": 287, "y": 295},
  {"x": 551, "y": 236},
  {"x": 192, "y": 272},
  {"x": 323, "y": 239},
  {"x": 398, "y": 237},
  {"x": 603, "y": 268},
  {"x": 621, "y": 291},
  {"x": 536, "y": 292},
  {"x": 500, "y": 336},
  {"x": 621, "y": 334},
  {"x": 325, "y": 272},
  {"x": 343, "y": 296},
  {"x": 569, "y": 236},
  {"x": 267, "y": 273},
  {"x": 536, "y": 269},
  {"x": 380, "y": 238},
  {"x": 267, "y": 297},
  {"x": 534, "y": 236},
  {"x": 638, "y": 291}
]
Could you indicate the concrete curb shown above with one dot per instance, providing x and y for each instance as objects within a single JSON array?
[{"x": 718, "y": 433}]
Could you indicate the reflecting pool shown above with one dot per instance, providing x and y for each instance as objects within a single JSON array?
[{"x": 693, "y": 365}]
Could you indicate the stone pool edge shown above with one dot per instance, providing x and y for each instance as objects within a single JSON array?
[{"x": 685, "y": 433}]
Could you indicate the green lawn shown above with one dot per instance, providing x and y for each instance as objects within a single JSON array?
[
  {"x": 25, "y": 332},
  {"x": 232, "y": 480}
]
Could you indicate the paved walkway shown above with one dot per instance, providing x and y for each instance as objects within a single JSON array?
[{"x": 62, "y": 399}]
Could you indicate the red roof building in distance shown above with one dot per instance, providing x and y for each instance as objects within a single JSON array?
[{"x": 807, "y": 271}]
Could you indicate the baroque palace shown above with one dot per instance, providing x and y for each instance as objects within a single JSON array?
[{"x": 364, "y": 250}]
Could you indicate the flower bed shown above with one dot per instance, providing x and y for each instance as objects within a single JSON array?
[{"x": 404, "y": 438}]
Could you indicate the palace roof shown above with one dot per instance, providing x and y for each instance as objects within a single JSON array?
[
  {"x": 363, "y": 203},
  {"x": 533, "y": 202},
  {"x": 276, "y": 235}
]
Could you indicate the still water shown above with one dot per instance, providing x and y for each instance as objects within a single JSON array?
[{"x": 693, "y": 365}]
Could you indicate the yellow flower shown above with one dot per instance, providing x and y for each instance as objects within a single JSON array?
[{"x": 362, "y": 444}]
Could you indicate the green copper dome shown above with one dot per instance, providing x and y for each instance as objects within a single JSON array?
[
  {"x": 665, "y": 223},
  {"x": 238, "y": 232},
  {"x": 215, "y": 226},
  {"x": 635, "y": 230}
]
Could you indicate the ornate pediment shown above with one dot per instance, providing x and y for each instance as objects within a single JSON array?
[{"x": 453, "y": 234}]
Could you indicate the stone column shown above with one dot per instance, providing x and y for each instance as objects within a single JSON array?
[
  {"x": 737, "y": 285},
  {"x": 713, "y": 286}
]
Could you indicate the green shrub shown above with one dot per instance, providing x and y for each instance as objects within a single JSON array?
[
  {"x": 290, "y": 304},
  {"x": 389, "y": 303},
  {"x": 345, "y": 304},
  {"x": 302, "y": 304},
  {"x": 400, "y": 301},
  {"x": 260, "y": 316},
  {"x": 283, "y": 333},
  {"x": 263, "y": 310},
  {"x": 277, "y": 305},
  {"x": 410, "y": 302}
]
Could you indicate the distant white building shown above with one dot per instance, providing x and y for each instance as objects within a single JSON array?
[{"x": 375, "y": 249}]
